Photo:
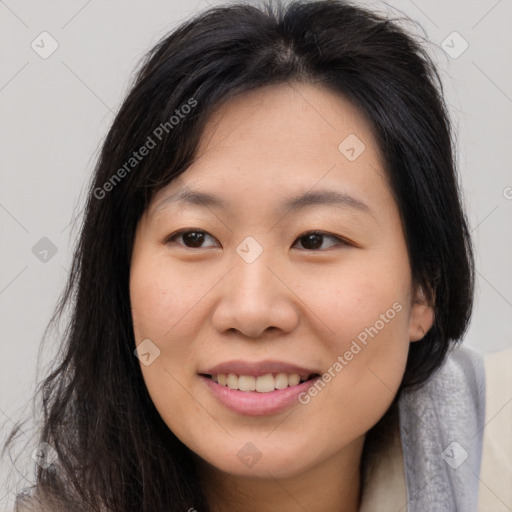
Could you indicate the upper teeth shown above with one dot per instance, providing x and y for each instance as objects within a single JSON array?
[{"x": 262, "y": 384}]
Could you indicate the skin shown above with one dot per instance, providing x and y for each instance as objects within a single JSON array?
[{"x": 305, "y": 304}]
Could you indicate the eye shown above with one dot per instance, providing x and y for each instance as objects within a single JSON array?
[
  {"x": 192, "y": 238},
  {"x": 313, "y": 240}
]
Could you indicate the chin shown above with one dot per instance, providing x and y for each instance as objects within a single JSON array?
[{"x": 252, "y": 462}]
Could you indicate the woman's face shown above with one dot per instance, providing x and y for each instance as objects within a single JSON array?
[{"x": 239, "y": 282}]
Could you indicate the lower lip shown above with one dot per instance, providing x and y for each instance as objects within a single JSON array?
[{"x": 258, "y": 404}]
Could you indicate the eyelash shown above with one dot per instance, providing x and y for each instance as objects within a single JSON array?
[{"x": 177, "y": 234}]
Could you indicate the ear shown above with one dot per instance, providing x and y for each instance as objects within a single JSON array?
[{"x": 422, "y": 316}]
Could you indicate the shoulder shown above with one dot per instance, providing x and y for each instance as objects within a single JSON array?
[
  {"x": 34, "y": 500},
  {"x": 435, "y": 459},
  {"x": 441, "y": 429},
  {"x": 495, "y": 492},
  {"x": 457, "y": 388},
  {"x": 456, "y": 447},
  {"x": 30, "y": 502}
]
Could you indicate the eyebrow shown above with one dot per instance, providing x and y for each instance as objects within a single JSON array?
[{"x": 293, "y": 204}]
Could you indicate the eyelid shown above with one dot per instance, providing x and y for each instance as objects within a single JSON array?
[
  {"x": 325, "y": 234},
  {"x": 175, "y": 234}
]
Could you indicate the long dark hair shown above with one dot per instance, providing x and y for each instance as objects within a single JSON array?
[{"x": 114, "y": 450}]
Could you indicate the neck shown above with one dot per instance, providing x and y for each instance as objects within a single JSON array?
[{"x": 333, "y": 485}]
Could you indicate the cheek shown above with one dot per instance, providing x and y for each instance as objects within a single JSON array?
[
  {"x": 153, "y": 306},
  {"x": 360, "y": 303},
  {"x": 162, "y": 307},
  {"x": 161, "y": 299},
  {"x": 168, "y": 309},
  {"x": 367, "y": 315}
]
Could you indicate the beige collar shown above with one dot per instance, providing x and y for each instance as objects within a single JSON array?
[{"x": 386, "y": 489}]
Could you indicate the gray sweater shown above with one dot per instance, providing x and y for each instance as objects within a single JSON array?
[{"x": 442, "y": 428}]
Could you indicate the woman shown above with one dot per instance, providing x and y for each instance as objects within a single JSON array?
[{"x": 221, "y": 357}]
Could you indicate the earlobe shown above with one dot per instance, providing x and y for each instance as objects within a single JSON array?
[{"x": 422, "y": 318}]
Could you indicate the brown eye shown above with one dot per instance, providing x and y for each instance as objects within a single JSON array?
[
  {"x": 192, "y": 238},
  {"x": 313, "y": 240}
]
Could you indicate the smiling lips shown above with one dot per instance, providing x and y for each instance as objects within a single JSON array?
[
  {"x": 261, "y": 384},
  {"x": 260, "y": 377}
]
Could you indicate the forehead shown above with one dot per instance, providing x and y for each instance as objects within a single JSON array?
[
  {"x": 295, "y": 114},
  {"x": 283, "y": 140}
]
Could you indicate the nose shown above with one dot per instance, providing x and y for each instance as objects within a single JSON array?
[{"x": 255, "y": 298}]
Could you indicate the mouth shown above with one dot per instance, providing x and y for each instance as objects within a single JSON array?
[
  {"x": 258, "y": 388},
  {"x": 261, "y": 395},
  {"x": 265, "y": 383}
]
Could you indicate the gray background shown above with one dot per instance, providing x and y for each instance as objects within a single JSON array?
[{"x": 55, "y": 112}]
